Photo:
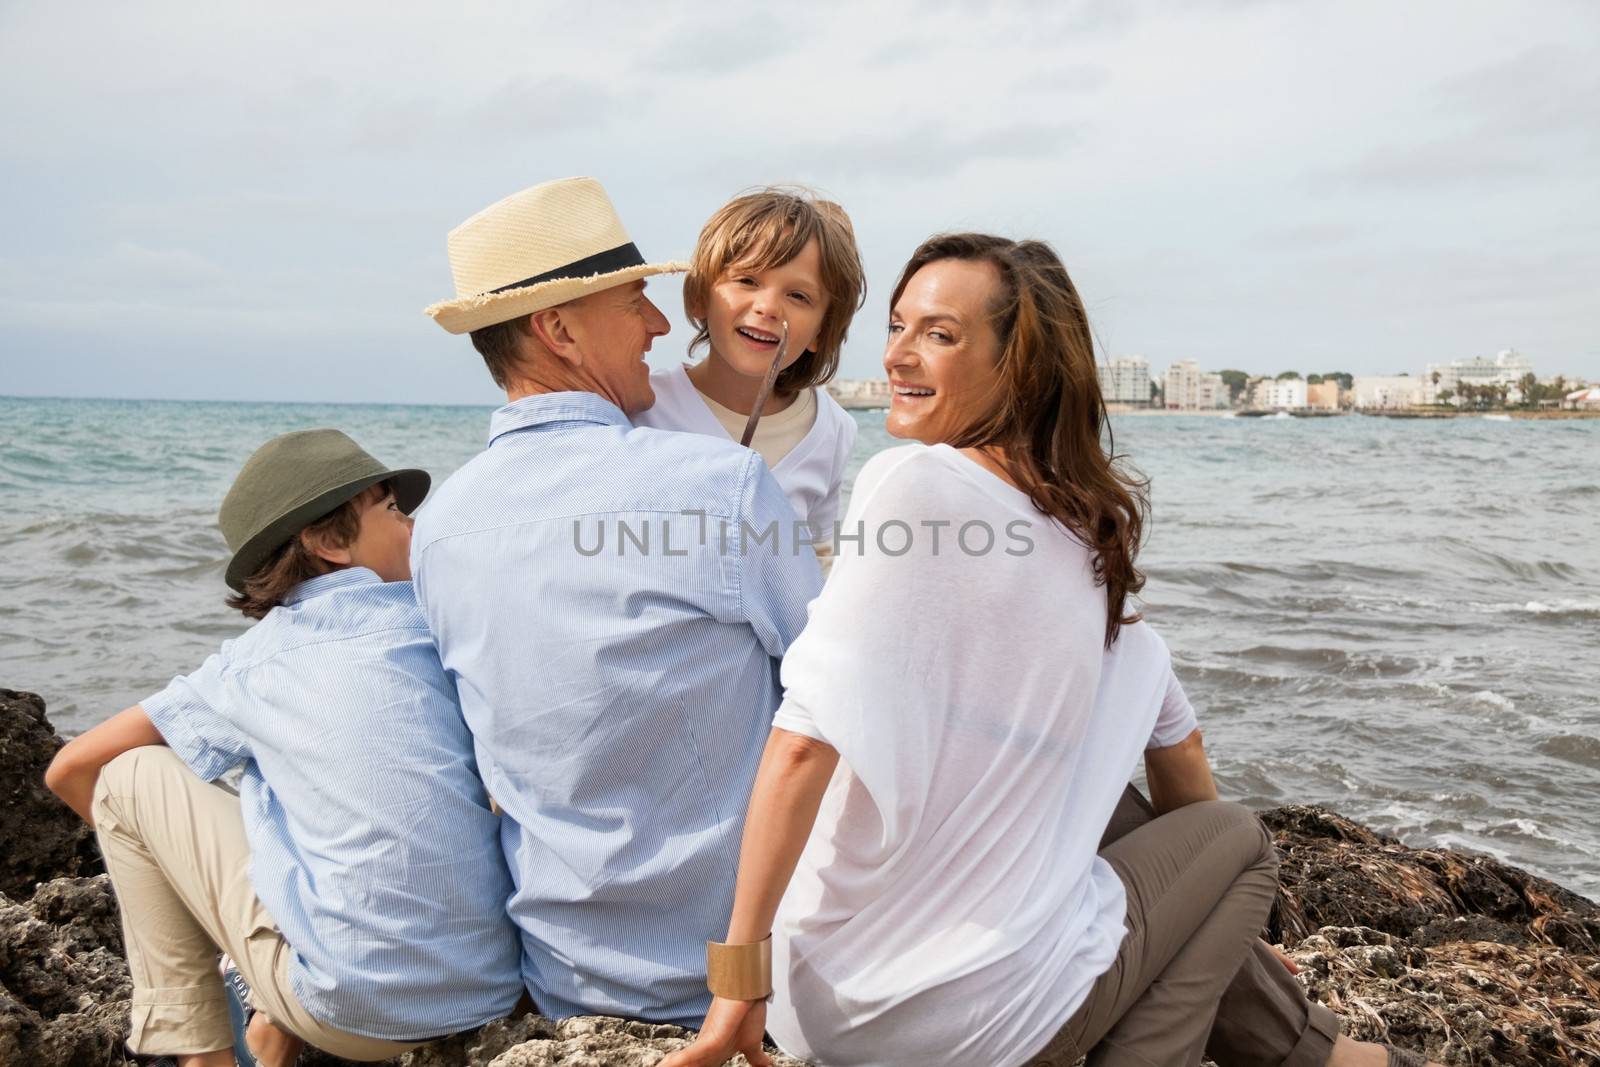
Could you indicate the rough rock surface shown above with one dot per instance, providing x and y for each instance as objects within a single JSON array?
[
  {"x": 64, "y": 985},
  {"x": 1459, "y": 955},
  {"x": 39, "y": 838},
  {"x": 1473, "y": 961}
]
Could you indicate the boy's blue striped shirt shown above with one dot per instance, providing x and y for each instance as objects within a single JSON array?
[{"x": 373, "y": 845}]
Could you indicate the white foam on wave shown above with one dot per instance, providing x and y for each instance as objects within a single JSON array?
[
  {"x": 1531, "y": 829},
  {"x": 1563, "y": 606},
  {"x": 1493, "y": 699}
]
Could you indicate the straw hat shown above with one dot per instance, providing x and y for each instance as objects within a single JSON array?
[
  {"x": 292, "y": 481},
  {"x": 536, "y": 249}
]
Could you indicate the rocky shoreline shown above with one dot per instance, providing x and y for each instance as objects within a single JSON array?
[{"x": 1465, "y": 958}]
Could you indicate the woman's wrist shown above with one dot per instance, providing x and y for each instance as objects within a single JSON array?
[{"x": 740, "y": 971}]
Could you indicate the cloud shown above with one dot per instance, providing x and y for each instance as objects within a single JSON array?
[
  {"x": 732, "y": 41},
  {"x": 1506, "y": 121},
  {"x": 1238, "y": 181},
  {"x": 1299, "y": 236},
  {"x": 922, "y": 150}
]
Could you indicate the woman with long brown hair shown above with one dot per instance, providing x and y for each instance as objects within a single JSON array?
[{"x": 927, "y": 840}]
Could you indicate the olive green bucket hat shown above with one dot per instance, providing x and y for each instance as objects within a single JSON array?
[{"x": 292, "y": 481}]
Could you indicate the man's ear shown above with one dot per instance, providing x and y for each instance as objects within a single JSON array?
[
  {"x": 319, "y": 545},
  {"x": 552, "y": 328}
]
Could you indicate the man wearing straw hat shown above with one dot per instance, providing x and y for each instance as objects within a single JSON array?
[{"x": 614, "y": 602}]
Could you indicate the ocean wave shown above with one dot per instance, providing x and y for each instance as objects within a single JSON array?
[
  {"x": 1522, "y": 827},
  {"x": 1557, "y": 609},
  {"x": 1333, "y": 660},
  {"x": 1459, "y": 550},
  {"x": 1573, "y": 748},
  {"x": 1492, "y": 699}
]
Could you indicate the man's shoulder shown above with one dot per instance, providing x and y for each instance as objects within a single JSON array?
[
  {"x": 611, "y": 469},
  {"x": 713, "y": 473}
]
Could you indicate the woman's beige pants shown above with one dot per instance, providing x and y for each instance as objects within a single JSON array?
[
  {"x": 1200, "y": 883},
  {"x": 180, "y": 863}
]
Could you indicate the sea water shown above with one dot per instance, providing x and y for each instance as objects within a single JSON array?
[{"x": 1399, "y": 619}]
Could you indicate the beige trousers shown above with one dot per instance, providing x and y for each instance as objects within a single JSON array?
[
  {"x": 1264, "y": 1018},
  {"x": 1200, "y": 882},
  {"x": 179, "y": 861}
]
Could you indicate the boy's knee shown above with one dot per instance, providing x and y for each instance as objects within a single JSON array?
[{"x": 119, "y": 777}]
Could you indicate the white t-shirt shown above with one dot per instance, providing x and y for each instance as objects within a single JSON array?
[
  {"x": 950, "y": 907},
  {"x": 810, "y": 473}
]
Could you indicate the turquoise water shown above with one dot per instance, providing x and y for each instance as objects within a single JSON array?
[{"x": 1400, "y": 619}]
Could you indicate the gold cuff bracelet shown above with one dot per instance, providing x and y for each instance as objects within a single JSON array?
[{"x": 739, "y": 972}]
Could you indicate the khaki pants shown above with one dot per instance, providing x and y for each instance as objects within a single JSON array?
[
  {"x": 1200, "y": 883},
  {"x": 179, "y": 862},
  {"x": 1264, "y": 1019}
]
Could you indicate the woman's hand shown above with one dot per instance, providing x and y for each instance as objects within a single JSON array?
[
  {"x": 731, "y": 1026},
  {"x": 1283, "y": 957}
]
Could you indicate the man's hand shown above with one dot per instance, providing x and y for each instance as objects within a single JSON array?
[{"x": 731, "y": 1026}]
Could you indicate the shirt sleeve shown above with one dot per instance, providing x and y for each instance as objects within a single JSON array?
[
  {"x": 778, "y": 573},
  {"x": 187, "y": 715},
  {"x": 1176, "y": 720}
]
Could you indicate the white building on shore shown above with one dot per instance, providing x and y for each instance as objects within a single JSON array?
[
  {"x": 1126, "y": 380},
  {"x": 1507, "y": 368},
  {"x": 1188, "y": 388},
  {"x": 860, "y": 392},
  {"x": 1279, "y": 394},
  {"x": 1324, "y": 396},
  {"x": 1386, "y": 393}
]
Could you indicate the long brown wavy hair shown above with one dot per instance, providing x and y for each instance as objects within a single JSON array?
[{"x": 1045, "y": 420}]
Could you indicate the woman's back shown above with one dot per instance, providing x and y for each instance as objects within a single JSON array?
[{"x": 950, "y": 907}]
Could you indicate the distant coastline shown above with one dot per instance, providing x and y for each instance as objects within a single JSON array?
[{"x": 1374, "y": 413}]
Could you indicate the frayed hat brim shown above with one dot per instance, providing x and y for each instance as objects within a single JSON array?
[{"x": 485, "y": 309}]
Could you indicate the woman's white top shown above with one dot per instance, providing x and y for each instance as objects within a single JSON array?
[
  {"x": 809, "y": 466},
  {"x": 950, "y": 907}
]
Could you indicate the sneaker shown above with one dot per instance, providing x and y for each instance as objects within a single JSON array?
[{"x": 239, "y": 1011}]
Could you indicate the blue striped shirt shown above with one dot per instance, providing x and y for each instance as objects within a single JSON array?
[
  {"x": 372, "y": 844},
  {"x": 614, "y": 629}
]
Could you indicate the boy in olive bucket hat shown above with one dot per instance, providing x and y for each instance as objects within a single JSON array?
[{"x": 356, "y": 881}]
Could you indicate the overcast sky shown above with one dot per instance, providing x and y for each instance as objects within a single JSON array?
[{"x": 248, "y": 202}]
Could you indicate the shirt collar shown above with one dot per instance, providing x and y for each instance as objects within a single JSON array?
[
  {"x": 543, "y": 408},
  {"x": 327, "y": 583}
]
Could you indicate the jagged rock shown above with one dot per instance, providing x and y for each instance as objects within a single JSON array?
[
  {"x": 40, "y": 838},
  {"x": 1338, "y": 873},
  {"x": 1468, "y": 959},
  {"x": 1461, "y": 1002},
  {"x": 64, "y": 989},
  {"x": 534, "y": 1041}
]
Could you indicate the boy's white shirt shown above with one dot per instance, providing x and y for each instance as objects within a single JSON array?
[{"x": 807, "y": 445}]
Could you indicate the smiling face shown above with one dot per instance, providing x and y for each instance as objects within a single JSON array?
[
  {"x": 613, "y": 329},
  {"x": 942, "y": 351},
  {"x": 746, "y": 308}
]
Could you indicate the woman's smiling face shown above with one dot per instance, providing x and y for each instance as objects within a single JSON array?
[{"x": 942, "y": 350}]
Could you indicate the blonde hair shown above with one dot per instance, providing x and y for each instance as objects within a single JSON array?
[{"x": 768, "y": 228}]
